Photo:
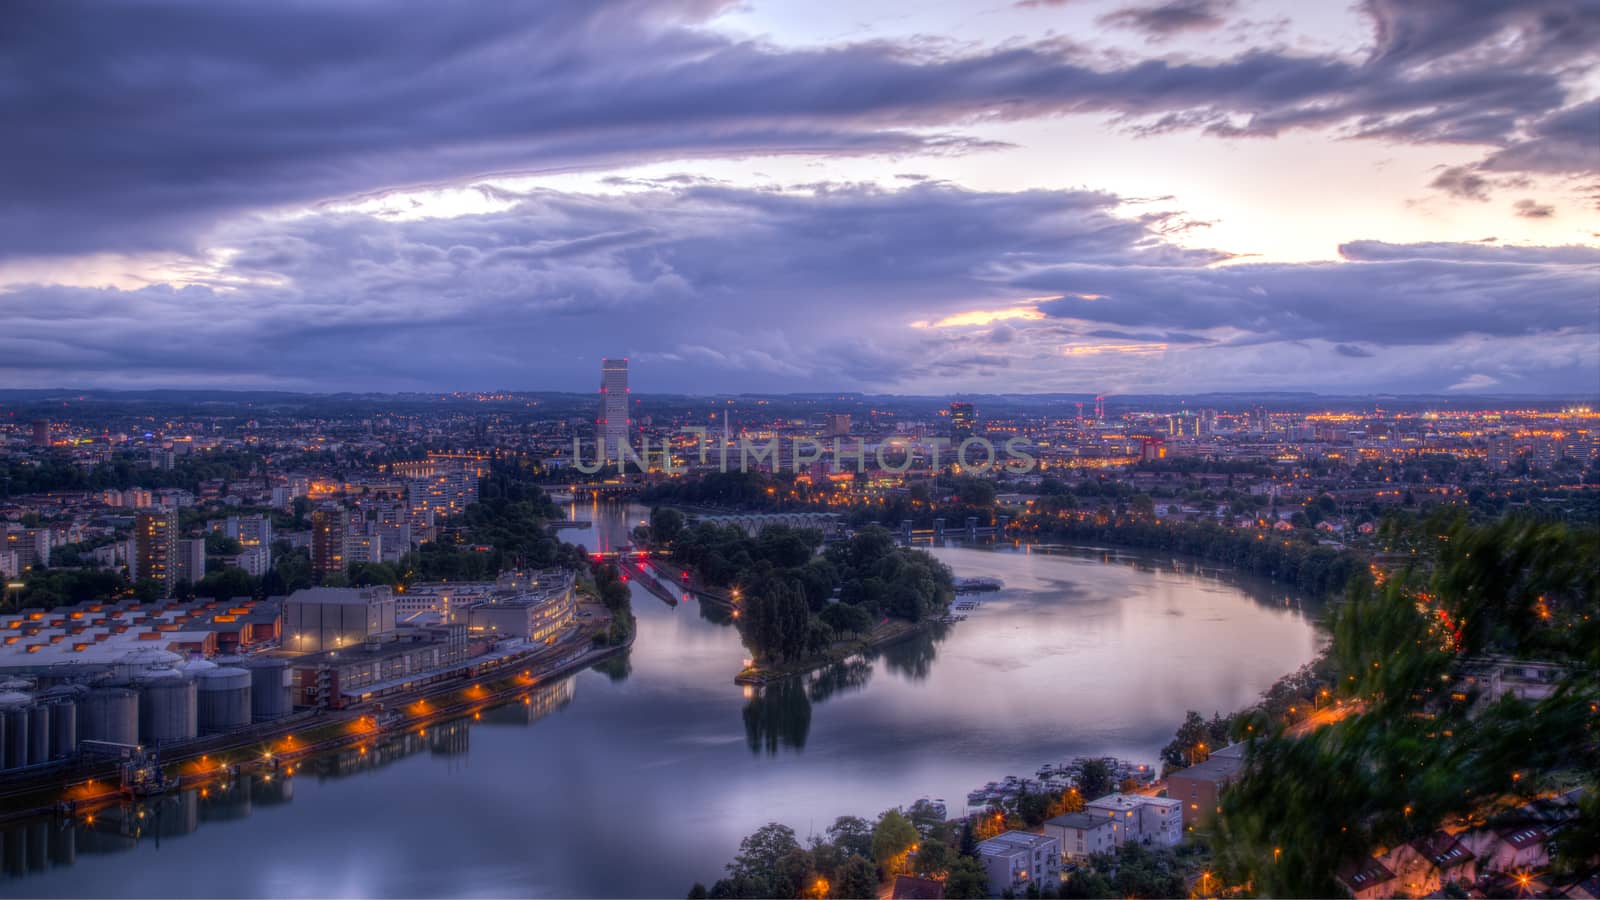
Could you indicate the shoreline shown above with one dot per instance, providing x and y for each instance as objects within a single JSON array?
[
  {"x": 882, "y": 635},
  {"x": 74, "y": 797}
]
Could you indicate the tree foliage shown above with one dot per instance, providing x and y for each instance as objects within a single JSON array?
[{"x": 1426, "y": 746}]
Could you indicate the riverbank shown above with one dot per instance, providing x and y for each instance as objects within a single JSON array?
[
  {"x": 891, "y": 631},
  {"x": 718, "y": 598},
  {"x": 278, "y": 746}
]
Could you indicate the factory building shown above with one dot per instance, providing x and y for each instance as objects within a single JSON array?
[
  {"x": 94, "y": 637},
  {"x": 319, "y": 619},
  {"x": 381, "y": 665}
]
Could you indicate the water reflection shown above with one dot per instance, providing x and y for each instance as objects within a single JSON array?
[
  {"x": 779, "y": 714},
  {"x": 913, "y": 657},
  {"x": 34, "y": 847},
  {"x": 1084, "y": 652}
]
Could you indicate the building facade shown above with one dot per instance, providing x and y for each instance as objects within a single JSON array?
[
  {"x": 329, "y": 530},
  {"x": 153, "y": 552},
  {"x": 613, "y": 424},
  {"x": 1017, "y": 859},
  {"x": 320, "y": 619}
]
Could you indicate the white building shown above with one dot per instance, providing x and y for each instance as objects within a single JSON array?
[
  {"x": 440, "y": 597},
  {"x": 1017, "y": 859},
  {"x": 255, "y": 561},
  {"x": 191, "y": 565},
  {"x": 1083, "y": 835},
  {"x": 1152, "y": 821}
]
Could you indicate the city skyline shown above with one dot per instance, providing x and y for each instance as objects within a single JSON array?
[{"x": 1099, "y": 196}]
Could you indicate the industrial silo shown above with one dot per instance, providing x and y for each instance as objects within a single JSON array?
[
  {"x": 38, "y": 734},
  {"x": 142, "y": 661},
  {"x": 63, "y": 727},
  {"x": 224, "y": 695},
  {"x": 16, "y": 715},
  {"x": 13, "y": 749},
  {"x": 270, "y": 694},
  {"x": 167, "y": 710},
  {"x": 109, "y": 714}
]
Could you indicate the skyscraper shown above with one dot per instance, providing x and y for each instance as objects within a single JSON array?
[
  {"x": 613, "y": 422},
  {"x": 155, "y": 549},
  {"x": 41, "y": 432},
  {"x": 963, "y": 421},
  {"x": 329, "y": 530}
]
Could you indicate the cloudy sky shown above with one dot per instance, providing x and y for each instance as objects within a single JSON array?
[{"x": 918, "y": 197}]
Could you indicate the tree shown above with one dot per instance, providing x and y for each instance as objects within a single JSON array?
[
  {"x": 893, "y": 838},
  {"x": 1186, "y": 748},
  {"x": 852, "y": 835},
  {"x": 225, "y": 583},
  {"x": 932, "y": 859},
  {"x": 1094, "y": 781},
  {"x": 1413, "y": 755},
  {"x": 666, "y": 524},
  {"x": 1087, "y": 884},
  {"x": 967, "y": 880},
  {"x": 846, "y": 619},
  {"x": 764, "y": 862},
  {"x": 856, "y": 880},
  {"x": 698, "y": 892}
]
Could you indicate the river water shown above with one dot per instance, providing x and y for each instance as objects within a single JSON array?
[{"x": 640, "y": 779}]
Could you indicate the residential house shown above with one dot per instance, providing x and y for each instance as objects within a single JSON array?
[
  {"x": 1423, "y": 867},
  {"x": 910, "y": 887},
  {"x": 1016, "y": 859},
  {"x": 1366, "y": 879},
  {"x": 1199, "y": 787},
  {"x": 1082, "y": 835}
]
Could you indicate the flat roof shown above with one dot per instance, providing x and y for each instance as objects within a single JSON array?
[{"x": 1078, "y": 820}]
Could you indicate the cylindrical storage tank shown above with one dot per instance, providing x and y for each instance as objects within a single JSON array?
[
  {"x": 109, "y": 714},
  {"x": 224, "y": 696},
  {"x": 140, "y": 662},
  {"x": 63, "y": 728},
  {"x": 167, "y": 710},
  {"x": 38, "y": 734},
  {"x": 270, "y": 693},
  {"x": 195, "y": 666},
  {"x": 16, "y": 737}
]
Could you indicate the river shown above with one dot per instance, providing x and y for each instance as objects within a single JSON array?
[{"x": 641, "y": 779}]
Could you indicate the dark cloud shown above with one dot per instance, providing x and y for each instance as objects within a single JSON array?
[
  {"x": 1533, "y": 209},
  {"x": 1167, "y": 19},
  {"x": 1462, "y": 182},
  {"x": 709, "y": 286},
  {"x": 147, "y": 123},
  {"x": 1400, "y": 296},
  {"x": 1353, "y": 351},
  {"x": 1476, "y": 251},
  {"x": 1566, "y": 141}
]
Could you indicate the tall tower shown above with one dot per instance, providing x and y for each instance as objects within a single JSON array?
[
  {"x": 155, "y": 549},
  {"x": 613, "y": 422},
  {"x": 329, "y": 552}
]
